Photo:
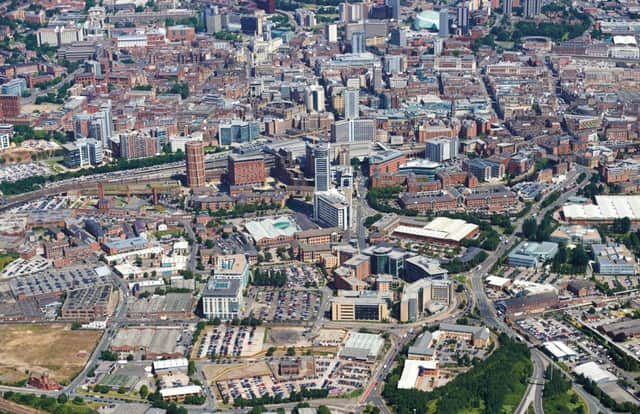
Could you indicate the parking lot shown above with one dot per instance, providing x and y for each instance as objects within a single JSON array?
[
  {"x": 282, "y": 306},
  {"x": 231, "y": 342},
  {"x": 25, "y": 170},
  {"x": 548, "y": 329}
]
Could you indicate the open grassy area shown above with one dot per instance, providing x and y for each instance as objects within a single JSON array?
[
  {"x": 7, "y": 258},
  {"x": 566, "y": 403},
  {"x": 54, "y": 348}
]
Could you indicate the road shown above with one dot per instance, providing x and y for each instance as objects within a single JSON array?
[{"x": 486, "y": 308}]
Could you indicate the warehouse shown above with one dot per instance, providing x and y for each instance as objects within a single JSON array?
[
  {"x": 362, "y": 346},
  {"x": 170, "y": 365},
  {"x": 559, "y": 350},
  {"x": 595, "y": 373},
  {"x": 154, "y": 342},
  {"x": 441, "y": 230},
  {"x": 621, "y": 331},
  {"x": 606, "y": 209},
  {"x": 169, "y": 306}
]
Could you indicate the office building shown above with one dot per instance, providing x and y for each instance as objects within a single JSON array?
[
  {"x": 443, "y": 26},
  {"x": 333, "y": 209},
  {"x": 442, "y": 149},
  {"x": 395, "y": 9},
  {"x": 247, "y": 169},
  {"x": 393, "y": 64},
  {"x": 358, "y": 44},
  {"x": 353, "y": 130},
  {"x": 322, "y": 167},
  {"x": 358, "y": 309},
  {"x": 194, "y": 151},
  {"x": 422, "y": 295},
  {"x": 463, "y": 20},
  {"x": 222, "y": 298},
  {"x": 314, "y": 98},
  {"x": 351, "y": 104},
  {"x": 532, "y": 8},
  {"x": 82, "y": 153},
  {"x": 6, "y": 133},
  {"x": 532, "y": 254},
  {"x": 59, "y": 35},
  {"x": 398, "y": 37},
  {"x": 231, "y": 266},
  {"x": 385, "y": 260},
  {"x": 613, "y": 259},
  {"x": 331, "y": 32},
  {"x": 15, "y": 87},
  {"x": 237, "y": 131},
  {"x": 484, "y": 169}
]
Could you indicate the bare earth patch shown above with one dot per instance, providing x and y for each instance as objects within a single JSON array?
[{"x": 35, "y": 348}]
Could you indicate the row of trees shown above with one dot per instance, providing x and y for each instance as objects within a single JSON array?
[
  {"x": 488, "y": 385},
  {"x": 276, "y": 278},
  {"x": 34, "y": 183},
  {"x": 304, "y": 394},
  {"x": 50, "y": 404}
]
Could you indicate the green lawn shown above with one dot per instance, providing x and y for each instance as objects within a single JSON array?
[
  {"x": 7, "y": 258},
  {"x": 568, "y": 403},
  {"x": 512, "y": 400}
]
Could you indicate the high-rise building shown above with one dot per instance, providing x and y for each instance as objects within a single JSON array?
[
  {"x": 82, "y": 152},
  {"x": 508, "y": 7},
  {"x": 238, "y": 131},
  {"x": 532, "y": 8},
  {"x": 314, "y": 98},
  {"x": 333, "y": 209},
  {"x": 441, "y": 149},
  {"x": 395, "y": 9},
  {"x": 322, "y": 167},
  {"x": 353, "y": 130},
  {"x": 331, "y": 32},
  {"x": 392, "y": 64},
  {"x": 247, "y": 170},
  {"x": 6, "y": 133},
  {"x": 443, "y": 23},
  {"x": 358, "y": 44},
  {"x": 463, "y": 20},
  {"x": 194, "y": 151},
  {"x": 398, "y": 37},
  {"x": 351, "y": 104},
  {"x": 15, "y": 87}
]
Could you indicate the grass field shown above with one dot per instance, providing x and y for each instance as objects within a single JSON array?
[
  {"x": 7, "y": 258},
  {"x": 34, "y": 348},
  {"x": 569, "y": 402}
]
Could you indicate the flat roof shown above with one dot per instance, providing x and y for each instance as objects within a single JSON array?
[
  {"x": 442, "y": 228},
  {"x": 272, "y": 228},
  {"x": 362, "y": 345},
  {"x": 411, "y": 370},
  {"x": 606, "y": 208},
  {"x": 595, "y": 373},
  {"x": 559, "y": 350}
]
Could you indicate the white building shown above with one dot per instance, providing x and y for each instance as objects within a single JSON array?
[
  {"x": 333, "y": 209},
  {"x": 6, "y": 133},
  {"x": 222, "y": 299}
]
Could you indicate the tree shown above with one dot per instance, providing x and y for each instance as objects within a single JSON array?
[
  {"x": 529, "y": 228},
  {"x": 62, "y": 398},
  {"x": 323, "y": 409},
  {"x": 291, "y": 351},
  {"x": 621, "y": 225},
  {"x": 144, "y": 391}
]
